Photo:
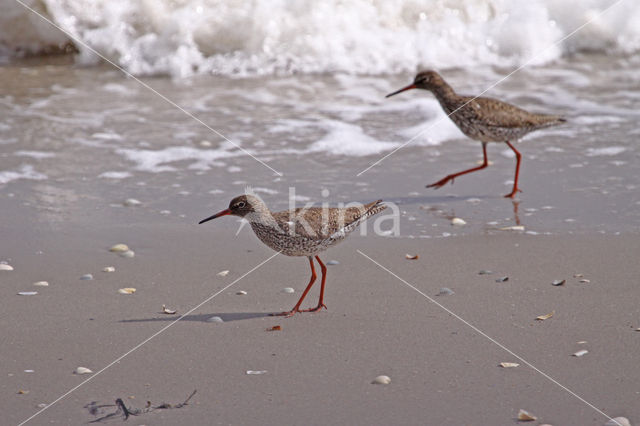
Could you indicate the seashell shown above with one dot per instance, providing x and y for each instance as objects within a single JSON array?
[
  {"x": 274, "y": 328},
  {"x": 502, "y": 279},
  {"x": 131, "y": 202},
  {"x": 241, "y": 293},
  {"x": 524, "y": 416},
  {"x": 581, "y": 353},
  {"x": 41, "y": 284},
  {"x": 333, "y": 262},
  {"x": 558, "y": 282},
  {"x": 584, "y": 281},
  {"x": 119, "y": 248},
  {"x": 223, "y": 273},
  {"x": 618, "y": 421},
  {"x": 411, "y": 256},
  {"x": 86, "y": 277},
  {"x": 512, "y": 228},
  {"x": 581, "y": 342},
  {"x": 288, "y": 290},
  {"x": 168, "y": 311},
  {"x": 29, "y": 371},
  {"x": 578, "y": 275},
  {"x": 129, "y": 254},
  {"x": 456, "y": 221},
  {"x": 108, "y": 269},
  {"x": 445, "y": 291},
  {"x": 205, "y": 144},
  {"x": 256, "y": 372},
  {"x": 22, "y": 392},
  {"x": 214, "y": 319},
  {"x": 82, "y": 370},
  {"x": 544, "y": 317},
  {"x": 381, "y": 380},
  {"x": 5, "y": 267},
  {"x": 27, "y": 293},
  {"x": 485, "y": 272},
  {"x": 127, "y": 290},
  {"x": 509, "y": 364}
]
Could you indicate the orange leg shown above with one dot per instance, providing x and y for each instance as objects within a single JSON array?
[
  {"x": 321, "y": 300},
  {"x": 304, "y": 293},
  {"x": 485, "y": 163},
  {"x": 515, "y": 181}
]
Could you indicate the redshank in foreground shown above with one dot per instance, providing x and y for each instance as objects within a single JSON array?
[
  {"x": 300, "y": 232},
  {"x": 483, "y": 119}
]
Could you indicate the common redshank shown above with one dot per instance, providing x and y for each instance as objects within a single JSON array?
[
  {"x": 300, "y": 232},
  {"x": 483, "y": 119}
]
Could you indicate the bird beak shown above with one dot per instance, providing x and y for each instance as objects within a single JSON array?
[
  {"x": 222, "y": 213},
  {"x": 409, "y": 87}
]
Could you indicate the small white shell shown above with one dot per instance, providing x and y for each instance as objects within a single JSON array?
[
  {"x": 108, "y": 269},
  {"x": 509, "y": 364},
  {"x": 381, "y": 380},
  {"x": 86, "y": 277},
  {"x": 41, "y": 284},
  {"x": 581, "y": 352},
  {"x": 618, "y": 421},
  {"x": 131, "y": 202},
  {"x": 255, "y": 372},
  {"x": 585, "y": 281},
  {"x": 241, "y": 293},
  {"x": 5, "y": 267},
  {"x": 223, "y": 273},
  {"x": 288, "y": 290},
  {"x": 456, "y": 221},
  {"x": 82, "y": 370},
  {"x": 333, "y": 262},
  {"x": 512, "y": 228},
  {"x": 214, "y": 319},
  {"x": 445, "y": 291},
  {"x": 129, "y": 254},
  {"x": 119, "y": 248},
  {"x": 27, "y": 293},
  {"x": 127, "y": 290}
]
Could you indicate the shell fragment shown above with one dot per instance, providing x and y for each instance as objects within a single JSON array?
[
  {"x": 82, "y": 370},
  {"x": 524, "y": 416},
  {"x": 509, "y": 364},
  {"x": 582, "y": 352},
  {"x": 544, "y": 317},
  {"x": 127, "y": 290},
  {"x": 558, "y": 282},
  {"x": 411, "y": 256},
  {"x": 223, "y": 273},
  {"x": 41, "y": 284},
  {"x": 119, "y": 248},
  {"x": 27, "y": 293},
  {"x": 167, "y": 311},
  {"x": 456, "y": 221},
  {"x": 381, "y": 380},
  {"x": 5, "y": 267}
]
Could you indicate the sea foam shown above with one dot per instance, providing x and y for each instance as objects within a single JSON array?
[{"x": 238, "y": 37}]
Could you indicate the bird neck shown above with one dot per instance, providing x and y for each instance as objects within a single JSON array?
[{"x": 444, "y": 93}]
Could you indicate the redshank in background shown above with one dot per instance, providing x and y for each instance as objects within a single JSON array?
[
  {"x": 300, "y": 232},
  {"x": 483, "y": 119}
]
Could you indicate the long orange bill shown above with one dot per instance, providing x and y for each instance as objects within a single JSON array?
[
  {"x": 409, "y": 87},
  {"x": 222, "y": 213}
]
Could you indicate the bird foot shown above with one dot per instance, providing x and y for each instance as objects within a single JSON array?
[
  {"x": 441, "y": 182},
  {"x": 513, "y": 193},
  {"x": 316, "y": 309}
]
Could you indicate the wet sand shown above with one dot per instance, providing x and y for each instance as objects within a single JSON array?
[
  {"x": 319, "y": 367},
  {"x": 85, "y": 140}
]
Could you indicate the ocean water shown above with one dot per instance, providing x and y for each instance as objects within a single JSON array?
[{"x": 288, "y": 97}]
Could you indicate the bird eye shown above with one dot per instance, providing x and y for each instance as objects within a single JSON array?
[{"x": 240, "y": 205}]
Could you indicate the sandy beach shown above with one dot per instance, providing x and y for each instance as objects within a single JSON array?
[
  {"x": 209, "y": 99},
  {"x": 319, "y": 367}
]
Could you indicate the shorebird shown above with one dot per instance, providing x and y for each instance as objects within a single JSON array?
[
  {"x": 300, "y": 232},
  {"x": 482, "y": 119}
]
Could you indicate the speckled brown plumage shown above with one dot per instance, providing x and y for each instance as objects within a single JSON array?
[
  {"x": 482, "y": 119},
  {"x": 301, "y": 232}
]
